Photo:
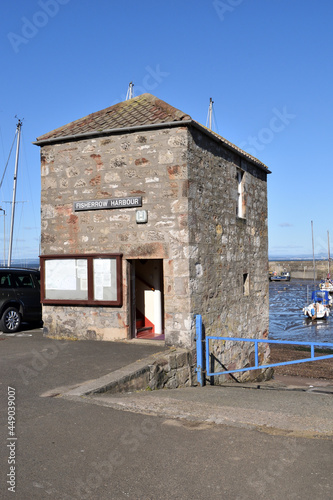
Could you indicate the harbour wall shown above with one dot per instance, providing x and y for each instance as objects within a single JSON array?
[{"x": 301, "y": 269}]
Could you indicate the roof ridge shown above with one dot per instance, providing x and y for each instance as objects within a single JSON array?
[{"x": 144, "y": 110}]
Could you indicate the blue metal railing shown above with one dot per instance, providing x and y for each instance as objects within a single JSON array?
[
  {"x": 199, "y": 345},
  {"x": 203, "y": 345}
]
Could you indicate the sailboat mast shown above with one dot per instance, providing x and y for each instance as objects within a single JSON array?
[
  {"x": 313, "y": 255},
  {"x": 329, "y": 258},
  {"x": 210, "y": 113},
  {"x": 18, "y": 131},
  {"x": 130, "y": 91}
]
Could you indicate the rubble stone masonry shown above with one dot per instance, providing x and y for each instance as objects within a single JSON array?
[
  {"x": 224, "y": 248},
  {"x": 150, "y": 164},
  {"x": 188, "y": 185}
]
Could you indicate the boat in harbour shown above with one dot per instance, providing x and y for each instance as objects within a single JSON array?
[
  {"x": 320, "y": 305},
  {"x": 326, "y": 285},
  {"x": 284, "y": 276},
  {"x": 321, "y": 301}
]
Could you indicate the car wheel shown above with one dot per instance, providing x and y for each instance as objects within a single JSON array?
[{"x": 10, "y": 321}]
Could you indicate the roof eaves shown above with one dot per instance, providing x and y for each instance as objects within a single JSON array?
[
  {"x": 120, "y": 130},
  {"x": 230, "y": 146},
  {"x": 150, "y": 126}
]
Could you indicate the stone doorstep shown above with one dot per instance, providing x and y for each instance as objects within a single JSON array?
[{"x": 133, "y": 377}]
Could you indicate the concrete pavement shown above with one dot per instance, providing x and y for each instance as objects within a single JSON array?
[
  {"x": 234, "y": 442},
  {"x": 275, "y": 411},
  {"x": 87, "y": 370}
]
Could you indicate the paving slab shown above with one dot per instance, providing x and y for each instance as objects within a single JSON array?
[
  {"x": 285, "y": 405},
  {"x": 183, "y": 443},
  {"x": 82, "y": 370},
  {"x": 297, "y": 413}
]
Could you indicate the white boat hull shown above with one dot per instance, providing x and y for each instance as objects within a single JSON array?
[
  {"x": 326, "y": 286},
  {"x": 316, "y": 311}
]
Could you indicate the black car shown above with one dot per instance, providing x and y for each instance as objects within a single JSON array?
[{"x": 19, "y": 298}]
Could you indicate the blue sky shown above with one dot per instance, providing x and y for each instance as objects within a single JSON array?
[{"x": 267, "y": 64}]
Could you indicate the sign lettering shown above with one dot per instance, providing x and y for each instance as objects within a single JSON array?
[{"x": 129, "y": 202}]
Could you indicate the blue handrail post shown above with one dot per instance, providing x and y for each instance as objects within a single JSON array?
[
  {"x": 198, "y": 326},
  {"x": 256, "y": 353}
]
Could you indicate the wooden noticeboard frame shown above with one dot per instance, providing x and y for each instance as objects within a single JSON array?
[{"x": 88, "y": 285}]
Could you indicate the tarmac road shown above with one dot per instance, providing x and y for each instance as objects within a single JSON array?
[{"x": 159, "y": 445}]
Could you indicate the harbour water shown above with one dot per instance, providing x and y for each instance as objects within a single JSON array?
[{"x": 286, "y": 319}]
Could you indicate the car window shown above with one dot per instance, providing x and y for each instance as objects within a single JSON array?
[
  {"x": 5, "y": 280},
  {"x": 24, "y": 280}
]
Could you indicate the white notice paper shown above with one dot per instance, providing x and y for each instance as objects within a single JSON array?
[{"x": 60, "y": 274}]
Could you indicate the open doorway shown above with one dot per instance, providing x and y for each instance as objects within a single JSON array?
[{"x": 146, "y": 298}]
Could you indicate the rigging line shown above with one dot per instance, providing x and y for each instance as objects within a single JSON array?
[
  {"x": 8, "y": 159},
  {"x": 215, "y": 121},
  {"x": 2, "y": 144},
  {"x": 3, "y": 152},
  {"x": 18, "y": 232},
  {"x": 207, "y": 119},
  {"x": 29, "y": 184}
]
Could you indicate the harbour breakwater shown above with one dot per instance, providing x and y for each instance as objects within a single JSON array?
[{"x": 301, "y": 269}]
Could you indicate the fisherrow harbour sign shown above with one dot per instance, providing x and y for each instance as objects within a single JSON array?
[{"x": 129, "y": 202}]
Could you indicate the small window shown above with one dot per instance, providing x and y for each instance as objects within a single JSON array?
[
  {"x": 82, "y": 279},
  {"x": 240, "y": 209},
  {"x": 246, "y": 284}
]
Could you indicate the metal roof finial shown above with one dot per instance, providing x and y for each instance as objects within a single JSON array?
[{"x": 130, "y": 91}]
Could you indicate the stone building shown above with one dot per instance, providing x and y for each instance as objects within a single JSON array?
[{"x": 149, "y": 218}]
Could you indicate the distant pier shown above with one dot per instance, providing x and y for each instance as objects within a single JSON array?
[{"x": 301, "y": 269}]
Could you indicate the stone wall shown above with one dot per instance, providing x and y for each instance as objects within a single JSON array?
[
  {"x": 188, "y": 185},
  {"x": 151, "y": 164},
  {"x": 224, "y": 247},
  {"x": 168, "y": 370}
]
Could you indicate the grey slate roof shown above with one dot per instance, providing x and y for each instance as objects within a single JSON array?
[{"x": 143, "y": 110}]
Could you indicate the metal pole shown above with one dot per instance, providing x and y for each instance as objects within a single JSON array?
[
  {"x": 256, "y": 353},
  {"x": 198, "y": 321},
  {"x": 210, "y": 112},
  {"x": 130, "y": 91},
  {"x": 328, "y": 240},
  {"x": 18, "y": 130},
  {"x": 4, "y": 235},
  {"x": 314, "y": 262}
]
